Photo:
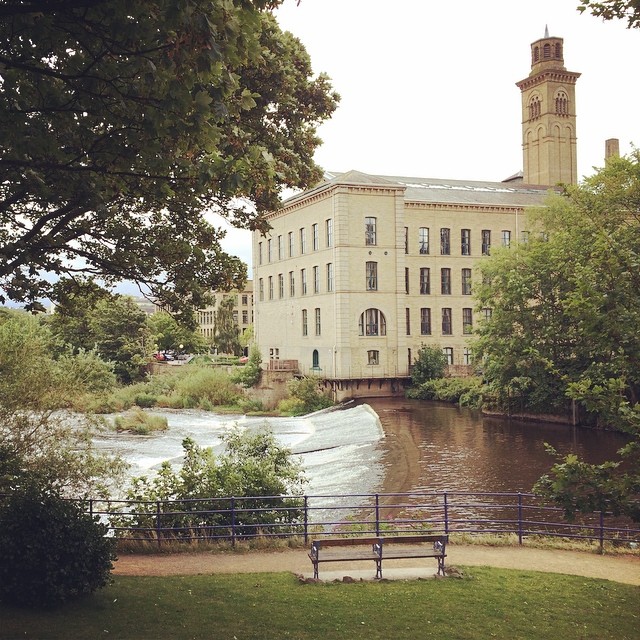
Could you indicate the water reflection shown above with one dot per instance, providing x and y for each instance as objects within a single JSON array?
[{"x": 448, "y": 448}]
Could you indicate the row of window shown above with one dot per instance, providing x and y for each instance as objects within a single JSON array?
[
  {"x": 208, "y": 317},
  {"x": 303, "y": 284},
  {"x": 275, "y": 250},
  {"x": 373, "y": 356},
  {"x": 371, "y": 281},
  {"x": 372, "y": 322}
]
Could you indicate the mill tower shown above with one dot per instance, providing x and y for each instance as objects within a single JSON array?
[{"x": 549, "y": 116}]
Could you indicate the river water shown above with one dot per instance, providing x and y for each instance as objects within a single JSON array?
[{"x": 386, "y": 446}]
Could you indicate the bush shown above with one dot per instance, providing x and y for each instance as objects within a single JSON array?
[
  {"x": 465, "y": 391},
  {"x": 140, "y": 423},
  {"x": 249, "y": 375},
  {"x": 305, "y": 397},
  {"x": 145, "y": 400},
  {"x": 50, "y": 550},
  {"x": 210, "y": 385}
]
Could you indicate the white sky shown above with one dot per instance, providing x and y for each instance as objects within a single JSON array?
[{"x": 428, "y": 87}]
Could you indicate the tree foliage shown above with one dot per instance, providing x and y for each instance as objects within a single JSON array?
[
  {"x": 227, "y": 335},
  {"x": 39, "y": 442},
  {"x": 430, "y": 363},
  {"x": 253, "y": 465},
  {"x": 51, "y": 551},
  {"x": 124, "y": 122},
  {"x": 566, "y": 309},
  {"x": 628, "y": 10},
  {"x": 168, "y": 334}
]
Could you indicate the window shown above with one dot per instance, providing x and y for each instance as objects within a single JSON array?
[
  {"x": 245, "y": 317},
  {"x": 305, "y": 328},
  {"x": 406, "y": 280},
  {"x": 372, "y": 323},
  {"x": 466, "y": 282},
  {"x": 316, "y": 279},
  {"x": 445, "y": 242},
  {"x": 280, "y": 248},
  {"x": 486, "y": 242},
  {"x": 407, "y": 318},
  {"x": 315, "y": 359},
  {"x": 467, "y": 320},
  {"x": 487, "y": 313},
  {"x": 318, "y": 326},
  {"x": 562, "y": 104},
  {"x": 445, "y": 281},
  {"x": 371, "y": 269},
  {"x": 260, "y": 289},
  {"x": 524, "y": 237},
  {"x": 448, "y": 354},
  {"x": 245, "y": 300},
  {"x": 535, "y": 108},
  {"x": 291, "y": 247},
  {"x": 465, "y": 242},
  {"x": 234, "y": 316},
  {"x": 269, "y": 250},
  {"x": 314, "y": 237},
  {"x": 329, "y": 276},
  {"x": 423, "y": 240},
  {"x": 446, "y": 322},
  {"x": 303, "y": 241},
  {"x": 406, "y": 239},
  {"x": 270, "y": 287},
  {"x": 370, "y": 231},
  {"x": 259, "y": 252},
  {"x": 303, "y": 282},
  {"x": 425, "y": 321},
  {"x": 292, "y": 284},
  {"x": 425, "y": 281},
  {"x": 328, "y": 226},
  {"x": 281, "y": 285},
  {"x": 373, "y": 357},
  {"x": 467, "y": 356},
  {"x": 506, "y": 238}
]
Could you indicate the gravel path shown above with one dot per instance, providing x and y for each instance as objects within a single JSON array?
[{"x": 625, "y": 569}]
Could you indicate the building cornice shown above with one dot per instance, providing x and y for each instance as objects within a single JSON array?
[
  {"x": 480, "y": 208},
  {"x": 563, "y": 77}
]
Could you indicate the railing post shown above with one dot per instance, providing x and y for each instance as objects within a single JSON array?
[
  {"x": 233, "y": 522},
  {"x": 601, "y": 532},
  {"x": 158, "y": 527},
  {"x": 446, "y": 513},
  {"x": 519, "y": 518},
  {"x": 306, "y": 520},
  {"x": 377, "y": 514}
]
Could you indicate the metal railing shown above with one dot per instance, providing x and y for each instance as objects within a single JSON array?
[{"x": 243, "y": 518}]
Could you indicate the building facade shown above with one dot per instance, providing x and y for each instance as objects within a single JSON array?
[
  {"x": 243, "y": 313},
  {"x": 359, "y": 272}
]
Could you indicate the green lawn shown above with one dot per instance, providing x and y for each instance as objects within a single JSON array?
[{"x": 486, "y": 603}]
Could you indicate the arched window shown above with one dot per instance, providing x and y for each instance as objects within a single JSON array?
[
  {"x": 372, "y": 323},
  {"x": 546, "y": 50},
  {"x": 535, "y": 108},
  {"x": 562, "y": 103},
  {"x": 316, "y": 359},
  {"x": 536, "y": 54},
  {"x": 558, "y": 51}
]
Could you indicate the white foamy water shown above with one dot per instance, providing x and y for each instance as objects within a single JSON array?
[{"x": 339, "y": 449}]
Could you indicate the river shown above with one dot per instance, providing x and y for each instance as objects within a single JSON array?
[{"x": 386, "y": 446}]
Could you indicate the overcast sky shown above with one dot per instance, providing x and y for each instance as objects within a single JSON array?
[{"x": 428, "y": 87}]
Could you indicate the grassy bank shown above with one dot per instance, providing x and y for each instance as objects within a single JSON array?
[{"x": 485, "y": 603}]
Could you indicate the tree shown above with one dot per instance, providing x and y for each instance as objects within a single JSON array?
[
  {"x": 226, "y": 336},
  {"x": 124, "y": 123},
  {"x": 430, "y": 363},
  {"x": 612, "y": 9},
  {"x": 168, "y": 334},
  {"x": 38, "y": 442},
  {"x": 564, "y": 325}
]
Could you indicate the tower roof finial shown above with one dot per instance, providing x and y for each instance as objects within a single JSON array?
[{"x": 546, "y": 30}]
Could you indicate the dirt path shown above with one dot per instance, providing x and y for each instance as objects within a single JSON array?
[{"x": 625, "y": 569}]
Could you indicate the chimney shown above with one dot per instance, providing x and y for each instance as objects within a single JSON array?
[{"x": 611, "y": 149}]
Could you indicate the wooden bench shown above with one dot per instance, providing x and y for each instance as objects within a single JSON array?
[{"x": 378, "y": 549}]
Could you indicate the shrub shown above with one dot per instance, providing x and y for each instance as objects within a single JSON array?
[
  {"x": 306, "y": 397},
  {"x": 145, "y": 400},
  {"x": 140, "y": 422},
  {"x": 208, "y": 384},
  {"x": 464, "y": 391},
  {"x": 50, "y": 550},
  {"x": 249, "y": 375}
]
